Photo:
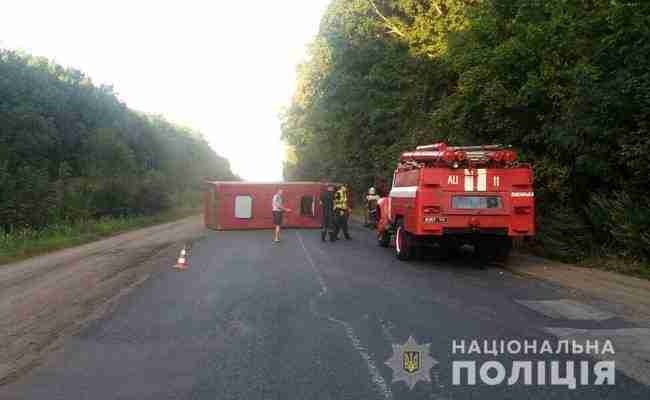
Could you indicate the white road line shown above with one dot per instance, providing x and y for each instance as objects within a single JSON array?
[
  {"x": 323, "y": 285},
  {"x": 375, "y": 375}
]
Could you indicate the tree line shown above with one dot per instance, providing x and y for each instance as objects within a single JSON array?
[
  {"x": 567, "y": 83},
  {"x": 72, "y": 150}
]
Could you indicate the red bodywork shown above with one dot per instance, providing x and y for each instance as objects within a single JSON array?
[
  {"x": 426, "y": 182},
  {"x": 254, "y": 202}
]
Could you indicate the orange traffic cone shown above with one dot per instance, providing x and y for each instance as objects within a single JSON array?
[{"x": 182, "y": 260}]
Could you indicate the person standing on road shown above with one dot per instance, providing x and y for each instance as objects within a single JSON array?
[
  {"x": 278, "y": 214},
  {"x": 327, "y": 203},
  {"x": 371, "y": 207},
  {"x": 341, "y": 212}
]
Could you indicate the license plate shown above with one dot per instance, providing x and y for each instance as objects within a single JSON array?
[
  {"x": 476, "y": 202},
  {"x": 435, "y": 220}
]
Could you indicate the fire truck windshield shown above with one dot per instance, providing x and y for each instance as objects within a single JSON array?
[{"x": 476, "y": 202}]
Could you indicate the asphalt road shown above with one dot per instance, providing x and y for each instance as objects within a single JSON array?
[{"x": 302, "y": 319}]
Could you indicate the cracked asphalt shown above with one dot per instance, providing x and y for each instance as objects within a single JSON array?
[{"x": 303, "y": 319}]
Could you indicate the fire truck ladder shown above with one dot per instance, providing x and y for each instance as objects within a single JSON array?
[{"x": 478, "y": 153}]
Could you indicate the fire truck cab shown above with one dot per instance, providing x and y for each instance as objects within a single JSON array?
[{"x": 446, "y": 197}]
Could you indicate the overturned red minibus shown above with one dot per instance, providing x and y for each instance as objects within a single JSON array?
[{"x": 247, "y": 205}]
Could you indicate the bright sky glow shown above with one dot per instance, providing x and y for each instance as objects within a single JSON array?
[{"x": 225, "y": 68}]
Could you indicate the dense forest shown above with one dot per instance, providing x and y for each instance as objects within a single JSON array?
[
  {"x": 70, "y": 150},
  {"x": 566, "y": 82}
]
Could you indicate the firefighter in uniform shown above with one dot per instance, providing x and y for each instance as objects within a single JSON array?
[
  {"x": 341, "y": 212},
  {"x": 327, "y": 202},
  {"x": 371, "y": 207}
]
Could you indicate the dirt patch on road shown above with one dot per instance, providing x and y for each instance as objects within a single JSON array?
[{"x": 48, "y": 297}]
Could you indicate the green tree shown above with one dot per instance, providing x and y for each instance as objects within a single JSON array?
[
  {"x": 72, "y": 150},
  {"x": 566, "y": 82}
]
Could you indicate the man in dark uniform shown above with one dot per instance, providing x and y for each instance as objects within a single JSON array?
[{"x": 327, "y": 202}]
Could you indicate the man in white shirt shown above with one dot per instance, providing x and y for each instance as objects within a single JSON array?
[{"x": 278, "y": 213}]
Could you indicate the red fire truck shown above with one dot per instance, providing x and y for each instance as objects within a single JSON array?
[{"x": 446, "y": 197}]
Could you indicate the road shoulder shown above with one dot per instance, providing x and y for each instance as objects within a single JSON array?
[
  {"x": 46, "y": 298},
  {"x": 631, "y": 293}
]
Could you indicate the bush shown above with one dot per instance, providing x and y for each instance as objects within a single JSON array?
[
  {"x": 152, "y": 194},
  {"x": 624, "y": 221}
]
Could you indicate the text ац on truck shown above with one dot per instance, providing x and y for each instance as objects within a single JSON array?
[{"x": 447, "y": 197}]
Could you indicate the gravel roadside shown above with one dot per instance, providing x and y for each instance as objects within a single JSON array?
[{"x": 48, "y": 297}]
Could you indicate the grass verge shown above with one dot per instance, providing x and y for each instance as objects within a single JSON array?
[
  {"x": 26, "y": 243},
  {"x": 625, "y": 266}
]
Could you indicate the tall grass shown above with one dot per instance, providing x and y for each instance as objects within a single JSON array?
[{"x": 26, "y": 242}]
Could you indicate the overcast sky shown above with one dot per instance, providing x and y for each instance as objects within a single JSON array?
[{"x": 225, "y": 68}]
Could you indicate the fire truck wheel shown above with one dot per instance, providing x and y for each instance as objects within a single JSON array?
[
  {"x": 403, "y": 243},
  {"x": 383, "y": 237}
]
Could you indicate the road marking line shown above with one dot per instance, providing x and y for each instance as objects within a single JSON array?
[
  {"x": 567, "y": 309},
  {"x": 323, "y": 285},
  {"x": 375, "y": 375}
]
